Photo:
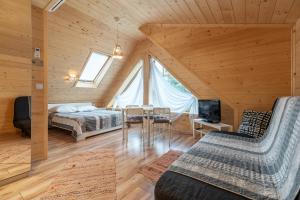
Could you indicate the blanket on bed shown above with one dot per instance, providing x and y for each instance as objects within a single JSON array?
[
  {"x": 263, "y": 168},
  {"x": 80, "y": 122}
]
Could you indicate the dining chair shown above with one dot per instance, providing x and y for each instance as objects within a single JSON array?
[
  {"x": 131, "y": 106},
  {"x": 134, "y": 115},
  {"x": 162, "y": 116}
]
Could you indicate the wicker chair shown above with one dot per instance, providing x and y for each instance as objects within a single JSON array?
[
  {"x": 134, "y": 115},
  {"x": 162, "y": 116}
]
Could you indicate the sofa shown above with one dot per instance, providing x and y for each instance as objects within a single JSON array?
[{"x": 229, "y": 166}]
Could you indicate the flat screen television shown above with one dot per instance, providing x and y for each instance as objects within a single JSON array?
[{"x": 209, "y": 110}]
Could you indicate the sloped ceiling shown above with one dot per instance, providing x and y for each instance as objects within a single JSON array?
[
  {"x": 135, "y": 13},
  {"x": 72, "y": 36},
  {"x": 81, "y": 25},
  {"x": 250, "y": 66}
]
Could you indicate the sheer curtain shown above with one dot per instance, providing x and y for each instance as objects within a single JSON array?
[
  {"x": 163, "y": 94},
  {"x": 133, "y": 94}
]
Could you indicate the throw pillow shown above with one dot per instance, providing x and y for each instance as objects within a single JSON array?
[
  {"x": 64, "y": 109},
  {"x": 86, "y": 108},
  {"x": 255, "y": 123}
]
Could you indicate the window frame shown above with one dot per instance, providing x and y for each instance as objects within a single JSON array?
[{"x": 100, "y": 75}]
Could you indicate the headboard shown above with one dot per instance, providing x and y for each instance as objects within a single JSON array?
[{"x": 52, "y": 105}]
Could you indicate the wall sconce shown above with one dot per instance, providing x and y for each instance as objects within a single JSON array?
[{"x": 71, "y": 77}]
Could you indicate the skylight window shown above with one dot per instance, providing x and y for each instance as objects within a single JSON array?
[
  {"x": 93, "y": 66},
  {"x": 94, "y": 70}
]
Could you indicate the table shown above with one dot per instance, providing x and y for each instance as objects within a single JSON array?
[
  {"x": 147, "y": 112},
  {"x": 198, "y": 127}
]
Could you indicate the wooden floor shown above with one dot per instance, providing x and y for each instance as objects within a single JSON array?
[
  {"x": 130, "y": 183},
  {"x": 15, "y": 156}
]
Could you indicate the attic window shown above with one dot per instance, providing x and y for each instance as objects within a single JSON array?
[
  {"x": 169, "y": 77},
  {"x": 94, "y": 70}
]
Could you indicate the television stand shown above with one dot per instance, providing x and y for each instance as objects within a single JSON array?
[{"x": 203, "y": 127}]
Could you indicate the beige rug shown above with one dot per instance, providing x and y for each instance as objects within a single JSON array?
[
  {"x": 155, "y": 169},
  {"x": 91, "y": 176}
]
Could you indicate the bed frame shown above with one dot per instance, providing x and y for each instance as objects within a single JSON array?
[{"x": 84, "y": 135}]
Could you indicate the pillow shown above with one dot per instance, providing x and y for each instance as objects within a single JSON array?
[
  {"x": 64, "y": 109},
  {"x": 86, "y": 108},
  {"x": 255, "y": 123}
]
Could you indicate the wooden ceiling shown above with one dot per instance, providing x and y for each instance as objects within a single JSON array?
[
  {"x": 134, "y": 13},
  {"x": 91, "y": 24}
]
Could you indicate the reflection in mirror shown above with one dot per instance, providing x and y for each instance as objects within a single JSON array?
[{"x": 15, "y": 147}]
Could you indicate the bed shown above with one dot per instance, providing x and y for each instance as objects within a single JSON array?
[{"x": 85, "y": 124}]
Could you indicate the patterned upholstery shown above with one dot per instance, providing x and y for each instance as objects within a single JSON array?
[
  {"x": 257, "y": 168},
  {"x": 161, "y": 119},
  {"x": 255, "y": 123},
  {"x": 134, "y": 119}
]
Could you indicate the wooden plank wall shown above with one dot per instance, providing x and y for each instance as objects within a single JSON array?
[
  {"x": 39, "y": 122},
  {"x": 15, "y": 57},
  {"x": 72, "y": 35},
  {"x": 296, "y": 59},
  {"x": 250, "y": 66}
]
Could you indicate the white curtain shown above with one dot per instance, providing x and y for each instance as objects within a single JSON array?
[
  {"x": 163, "y": 94},
  {"x": 133, "y": 94}
]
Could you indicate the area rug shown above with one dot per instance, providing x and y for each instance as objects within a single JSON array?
[
  {"x": 91, "y": 175},
  {"x": 155, "y": 169}
]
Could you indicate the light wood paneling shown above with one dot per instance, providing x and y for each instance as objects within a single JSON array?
[
  {"x": 296, "y": 59},
  {"x": 40, "y": 3},
  {"x": 249, "y": 66},
  {"x": 39, "y": 122},
  {"x": 72, "y": 35},
  {"x": 135, "y": 13},
  {"x": 15, "y": 57},
  {"x": 79, "y": 26}
]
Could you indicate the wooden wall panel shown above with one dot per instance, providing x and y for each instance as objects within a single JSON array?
[
  {"x": 251, "y": 67},
  {"x": 39, "y": 122},
  {"x": 72, "y": 35},
  {"x": 296, "y": 74},
  {"x": 15, "y": 57}
]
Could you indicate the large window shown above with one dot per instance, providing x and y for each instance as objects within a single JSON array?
[
  {"x": 94, "y": 70},
  {"x": 171, "y": 79},
  {"x": 131, "y": 91}
]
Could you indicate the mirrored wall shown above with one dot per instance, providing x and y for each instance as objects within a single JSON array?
[
  {"x": 15, "y": 146},
  {"x": 15, "y": 157}
]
